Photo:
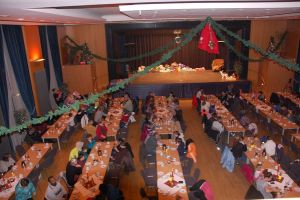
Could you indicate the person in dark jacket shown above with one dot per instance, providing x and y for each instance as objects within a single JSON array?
[
  {"x": 73, "y": 171},
  {"x": 238, "y": 150},
  {"x": 180, "y": 147}
]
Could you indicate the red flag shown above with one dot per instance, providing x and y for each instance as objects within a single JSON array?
[{"x": 208, "y": 40}]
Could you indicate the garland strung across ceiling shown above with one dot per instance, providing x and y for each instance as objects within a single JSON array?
[
  {"x": 94, "y": 97},
  {"x": 212, "y": 47}
]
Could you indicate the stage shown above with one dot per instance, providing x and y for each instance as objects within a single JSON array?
[{"x": 183, "y": 84}]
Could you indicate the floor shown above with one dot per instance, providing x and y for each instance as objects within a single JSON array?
[
  {"x": 225, "y": 185},
  {"x": 207, "y": 76}
]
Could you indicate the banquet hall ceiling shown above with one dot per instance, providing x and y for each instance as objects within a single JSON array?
[{"x": 107, "y": 11}]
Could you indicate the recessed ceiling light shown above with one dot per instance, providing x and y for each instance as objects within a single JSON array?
[
  {"x": 41, "y": 20},
  {"x": 267, "y": 9},
  {"x": 4, "y": 15},
  {"x": 20, "y": 19}
]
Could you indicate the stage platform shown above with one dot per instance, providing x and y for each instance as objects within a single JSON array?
[{"x": 183, "y": 84}]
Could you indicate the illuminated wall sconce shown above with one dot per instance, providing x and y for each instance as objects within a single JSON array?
[{"x": 38, "y": 60}]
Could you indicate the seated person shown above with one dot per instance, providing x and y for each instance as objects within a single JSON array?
[
  {"x": 191, "y": 150},
  {"x": 101, "y": 130},
  {"x": 202, "y": 190},
  {"x": 238, "y": 150},
  {"x": 90, "y": 143},
  {"x": 122, "y": 155},
  {"x": 55, "y": 191},
  {"x": 75, "y": 151},
  {"x": 150, "y": 143},
  {"x": 73, "y": 171},
  {"x": 244, "y": 120},
  {"x": 6, "y": 163},
  {"x": 261, "y": 96},
  {"x": 25, "y": 189},
  {"x": 252, "y": 129},
  {"x": 180, "y": 147},
  {"x": 269, "y": 147},
  {"x": 81, "y": 160},
  {"x": 262, "y": 185},
  {"x": 90, "y": 128},
  {"x": 127, "y": 103}
]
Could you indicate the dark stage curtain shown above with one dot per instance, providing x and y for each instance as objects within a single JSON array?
[
  {"x": 3, "y": 85},
  {"x": 43, "y": 39},
  {"x": 53, "y": 42},
  {"x": 141, "y": 41},
  {"x": 16, "y": 49}
]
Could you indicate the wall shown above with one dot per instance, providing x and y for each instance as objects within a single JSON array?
[
  {"x": 292, "y": 39},
  {"x": 94, "y": 36},
  {"x": 33, "y": 51},
  {"x": 269, "y": 76}
]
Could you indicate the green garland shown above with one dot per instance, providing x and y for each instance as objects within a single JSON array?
[
  {"x": 93, "y": 98},
  {"x": 292, "y": 66}
]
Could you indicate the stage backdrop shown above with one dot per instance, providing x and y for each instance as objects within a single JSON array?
[{"x": 128, "y": 40}]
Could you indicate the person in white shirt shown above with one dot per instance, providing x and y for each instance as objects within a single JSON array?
[
  {"x": 6, "y": 163},
  {"x": 198, "y": 98},
  {"x": 127, "y": 104},
  {"x": 217, "y": 126},
  {"x": 205, "y": 106},
  {"x": 55, "y": 191},
  {"x": 269, "y": 147},
  {"x": 252, "y": 128}
]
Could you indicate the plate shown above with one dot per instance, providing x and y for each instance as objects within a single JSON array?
[
  {"x": 183, "y": 191},
  {"x": 160, "y": 173},
  {"x": 176, "y": 163}
]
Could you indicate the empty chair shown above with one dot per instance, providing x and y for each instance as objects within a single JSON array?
[
  {"x": 191, "y": 180},
  {"x": 49, "y": 159},
  {"x": 150, "y": 172},
  {"x": 35, "y": 176},
  {"x": 187, "y": 165},
  {"x": 285, "y": 162},
  {"x": 150, "y": 182},
  {"x": 145, "y": 195},
  {"x": 20, "y": 150},
  {"x": 150, "y": 160},
  {"x": 112, "y": 176},
  {"x": 253, "y": 193},
  {"x": 295, "y": 149},
  {"x": 84, "y": 138},
  {"x": 62, "y": 176},
  {"x": 65, "y": 136}
]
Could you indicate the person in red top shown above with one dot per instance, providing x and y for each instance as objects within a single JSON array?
[{"x": 101, "y": 130}]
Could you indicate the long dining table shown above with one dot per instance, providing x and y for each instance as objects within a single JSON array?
[
  {"x": 167, "y": 163},
  {"x": 230, "y": 123},
  {"x": 113, "y": 118},
  {"x": 32, "y": 159},
  {"x": 267, "y": 111},
  {"x": 57, "y": 129},
  {"x": 94, "y": 170},
  {"x": 293, "y": 98},
  {"x": 287, "y": 187}
]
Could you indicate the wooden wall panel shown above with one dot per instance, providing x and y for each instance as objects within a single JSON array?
[
  {"x": 78, "y": 77},
  {"x": 94, "y": 36},
  {"x": 292, "y": 39},
  {"x": 261, "y": 31}
]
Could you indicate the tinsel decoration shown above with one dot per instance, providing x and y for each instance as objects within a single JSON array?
[
  {"x": 165, "y": 57},
  {"x": 94, "y": 97}
]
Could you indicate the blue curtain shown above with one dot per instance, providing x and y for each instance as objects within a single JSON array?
[
  {"x": 3, "y": 85},
  {"x": 16, "y": 49},
  {"x": 43, "y": 39},
  {"x": 53, "y": 43}
]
